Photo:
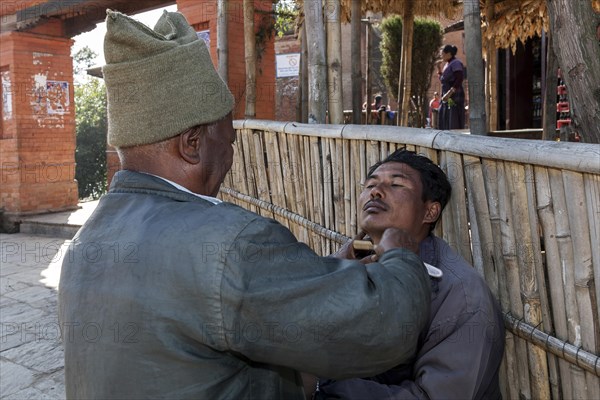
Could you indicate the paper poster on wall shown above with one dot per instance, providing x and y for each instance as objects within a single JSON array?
[
  {"x": 288, "y": 65},
  {"x": 204, "y": 35},
  {"x": 57, "y": 97},
  {"x": 6, "y": 95}
]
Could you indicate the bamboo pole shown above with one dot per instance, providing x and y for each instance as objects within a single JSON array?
[
  {"x": 494, "y": 186},
  {"x": 250, "y": 164},
  {"x": 349, "y": 211},
  {"x": 275, "y": 174},
  {"x": 566, "y": 351},
  {"x": 553, "y": 266},
  {"x": 317, "y": 181},
  {"x": 298, "y": 179},
  {"x": 592, "y": 196},
  {"x": 509, "y": 255},
  {"x": 540, "y": 279},
  {"x": 480, "y": 219},
  {"x": 449, "y": 229},
  {"x": 525, "y": 270},
  {"x": 262, "y": 178},
  {"x": 564, "y": 155},
  {"x": 583, "y": 274},
  {"x": 457, "y": 203},
  {"x": 337, "y": 164},
  {"x": 327, "y": 188},
  {"x": 565, "y": 248},
  {"x": 306, "y": 163}
]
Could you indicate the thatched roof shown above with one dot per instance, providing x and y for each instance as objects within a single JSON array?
[
  {"x": 512, "y": 20},
  {"x": 423, "y": 8},
  {"x": 517, "y": 20}
]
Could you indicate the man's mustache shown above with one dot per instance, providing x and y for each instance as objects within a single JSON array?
[{"x": 375, "y": 202}]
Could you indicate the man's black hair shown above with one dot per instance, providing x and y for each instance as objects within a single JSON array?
[{"x": 436, "y": 186}]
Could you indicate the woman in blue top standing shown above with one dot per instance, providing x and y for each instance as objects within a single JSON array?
[{"x": 452, "y": 110}]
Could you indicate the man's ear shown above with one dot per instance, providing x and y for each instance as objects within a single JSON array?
[
  {"x": 189, "y": 145},
  {"x": 432, "y": 213}
]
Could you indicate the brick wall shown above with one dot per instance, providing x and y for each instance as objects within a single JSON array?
[
  {"x": 37, "y": 140},
  {"x": 203, "y": 15}
]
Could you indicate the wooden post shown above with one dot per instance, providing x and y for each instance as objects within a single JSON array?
[
  {"x": 317, "y": 70},
  {"x": 368, "y": 71},
  {"x": 250, "y": 46},
  {"x": 356, "y": 68},
  {"x": 334, "y": 61},
  {"x": 473, "y": 49},
  {"x": 549, "y": 122},
  {"x": 407, "y": 32},
  {"x": 222, "y": 47}
]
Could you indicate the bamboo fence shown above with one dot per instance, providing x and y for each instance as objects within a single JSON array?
[{"x": 525, "y": 213}]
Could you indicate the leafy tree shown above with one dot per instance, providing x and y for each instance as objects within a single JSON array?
[
  {"x": 286, "y": 13},
  {"x": 427, "y": 41},
  {"x": 91, "y": 129}
]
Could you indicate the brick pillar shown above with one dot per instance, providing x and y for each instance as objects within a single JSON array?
[
  {"x": 37, "y": 139},
  {"x": 202, "y": 15}
]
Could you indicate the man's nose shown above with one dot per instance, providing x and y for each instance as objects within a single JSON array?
[{"x": 376, "y": 191}]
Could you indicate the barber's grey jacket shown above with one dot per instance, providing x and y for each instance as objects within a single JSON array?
[{"x": 165, "y": 295}]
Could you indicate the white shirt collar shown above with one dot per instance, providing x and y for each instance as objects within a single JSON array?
[{"x": 213, "y": 200}]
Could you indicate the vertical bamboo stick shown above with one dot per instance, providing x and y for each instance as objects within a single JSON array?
[
  {"x": 509, "y": 255},
  {"x": 509, "y": 369},
  {"x": 275, "y": 173},
  {"x": 584, "y": 276},
  {"x": 308, "y": 186},
  {"x": 458, "y": 205},
  {"x": 523, "y": 242},
  {"x": 448, "y": 215},
  {"x": 317, "y": 181},
  {"x": 554, "y": 270},
  {"x": 592, "y": 197},
  {"x": 297, "y": 181},
  {"x": 327, "y": 188},
  {"x": 349, "y": 212},
  {"x": 373, "y": 153},
  {"x": 481, "y": 219},
  {"x": 262, "y": 179},
  {"x": 354, "y": 185},
  {"x": 541, "y": 278},
  {"x": 565, "y": 248},
  {"x": 249, "y": 166},
  {"x": 338, "y": 172}
]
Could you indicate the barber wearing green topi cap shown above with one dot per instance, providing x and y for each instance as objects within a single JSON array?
[{"x": 168, "y": 292}]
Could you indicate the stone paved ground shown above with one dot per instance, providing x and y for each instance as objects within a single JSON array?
[{"x": 31, "y": 354}]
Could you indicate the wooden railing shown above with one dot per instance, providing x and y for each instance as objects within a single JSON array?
[{"x": 525, "y": 213}]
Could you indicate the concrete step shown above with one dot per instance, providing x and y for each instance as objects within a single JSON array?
[{"x": 61, "y": 225}]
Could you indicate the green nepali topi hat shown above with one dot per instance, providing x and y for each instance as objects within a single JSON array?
[{"x": 159, "y": 82}]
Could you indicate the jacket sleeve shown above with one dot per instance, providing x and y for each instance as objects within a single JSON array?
[
  {"x": 282, "y": 304},
  {"x": 454, "y": 366}
]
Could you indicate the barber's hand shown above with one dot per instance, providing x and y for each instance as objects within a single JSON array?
[
  {"x": 394, "y": 238},
  {"x": 347, "y": 251}
]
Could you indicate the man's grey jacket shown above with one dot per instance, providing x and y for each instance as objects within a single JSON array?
[{"x": 166, "y": 295}]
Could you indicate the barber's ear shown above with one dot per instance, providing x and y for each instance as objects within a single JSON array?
[
  {"x": 189, "y": 145},
  {"x": 434, "y": 209}
]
